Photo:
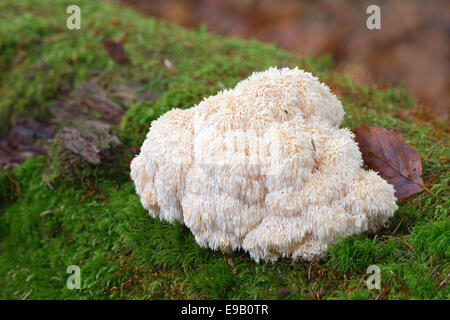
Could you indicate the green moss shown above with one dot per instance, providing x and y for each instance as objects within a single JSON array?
[
  {"x": 355, "y": 254},
  {"x": 9, "y": 188},
  {"x": 214, "y": 281},
  {"x": 433, "y": 239},
  {"x": 96, "y": 221}
]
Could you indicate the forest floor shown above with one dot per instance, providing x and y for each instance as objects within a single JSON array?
[
  {"x": 410, "y": 48},
  {"x": 72, "y": 118}
]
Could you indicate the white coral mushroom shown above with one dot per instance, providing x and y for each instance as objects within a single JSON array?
[{"x": 263, "y": 167}]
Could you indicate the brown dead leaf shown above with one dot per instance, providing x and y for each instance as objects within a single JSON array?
[
  {"x": 115, "y": 50},
  {"x": 396, "y": 161}
]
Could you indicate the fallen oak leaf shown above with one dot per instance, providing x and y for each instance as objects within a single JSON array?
[
  {"x": 115, "y": 50},
  {"x": 396, "y": 161}
]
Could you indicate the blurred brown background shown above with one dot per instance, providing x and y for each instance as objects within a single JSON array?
[{"x": 412, "y": 47}]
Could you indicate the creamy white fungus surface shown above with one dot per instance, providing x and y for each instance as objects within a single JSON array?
[{"x": 262, "y": 167}]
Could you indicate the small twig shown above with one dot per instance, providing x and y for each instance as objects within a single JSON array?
[
  {"x": 360, "y": 282},
  {"x": 399, "y": 238},
  {"x": 441, "y": 284},
  {"x": 51, "y": 187},
  {"x": 409, "y": 246},
  {"x": 383, "y": 293},
  {"x": 90, "y": 193},
  {"x": 49, "y": 211},
  {"x": 55, "y": 38},
  {"x": 315, "y": 292},
  {"x": 15, "y": 182},
  {"x": 432, "y": 150},
  {"x": 169, "y": 65},
  {"x": 27, "y": 295},
  {"x": 398, "y": 226},
  {"x": 429, "y": 191},
  {"x": 399, "y": 279}
]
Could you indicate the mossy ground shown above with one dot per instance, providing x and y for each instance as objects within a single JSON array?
[{"x": 100, "y": 225}]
